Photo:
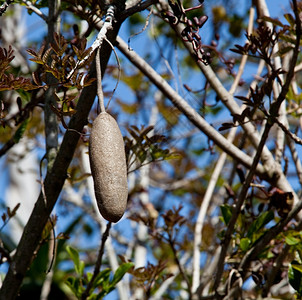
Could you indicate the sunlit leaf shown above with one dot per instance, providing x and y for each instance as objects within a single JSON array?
[
  {"x": 245, "y": 244},
  {"x": 291, "y": 240},
  {"x": 295, "y": 276}
]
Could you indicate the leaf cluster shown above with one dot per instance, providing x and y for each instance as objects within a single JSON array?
[
  {"x": 10, "y": 213},
  {"x": 59, "y": 60},
  {"x": 7, "y": 80},
  {"x": 143, "y": 148},
  {"x": 104, "y": 283},
  {"x": 149, "y": 277},
  {"x": 255, "y": 101}
]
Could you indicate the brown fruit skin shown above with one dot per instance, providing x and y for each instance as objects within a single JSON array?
[{"x": 108, "y": 166}]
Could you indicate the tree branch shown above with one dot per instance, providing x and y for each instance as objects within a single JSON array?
[
  {"x": 273, "y": 170},
  {"x": 53, "y": 183},
  {"x": 185, "y": 108},
  {"x": 50, "y": 118},
  {"x": 36, "y": 10},
  {"x": 279, "y": 227}
]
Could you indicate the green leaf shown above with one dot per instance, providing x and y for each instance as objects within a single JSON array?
[
  {"x": 290, "y": 19},
  {"x": 120, "y": 272},
  {"x": 226, "y": 212},
  {"x": 20, "y": 131},
  {"x": 102, "y": 277},
  {"x": 245, "y": 244},
  {"x": 74, "y": 255},
  {"x": 295, "y": 276},
  {"x": 297, "y": 267},
  {"x": 75, "y": 285},
  {"x": 80, "y": 269},
  {"x": 291, "y": 241},
  {"x": 259, "y": 223}
]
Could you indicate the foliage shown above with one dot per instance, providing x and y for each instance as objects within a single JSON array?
[
  {"x": 103, "y": 281},
  {"x": 211, "y": 118}
]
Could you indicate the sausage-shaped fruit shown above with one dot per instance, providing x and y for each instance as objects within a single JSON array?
[{"x": 108, "y": 167}]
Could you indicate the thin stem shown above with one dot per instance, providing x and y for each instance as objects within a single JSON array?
[
  {"x": 119, "y": 71},
  {"x": 98, "y": 263},
  {"x": 290, "y": 135},
  {"x": 180, "y": 267},
  {"x": 99, "y": 81}
]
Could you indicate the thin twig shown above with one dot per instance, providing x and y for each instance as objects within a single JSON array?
[
  {"x": 98, "y": 263},
  {"x": 143, "y": 29},
  {"x": 165, "y": 285},
  {"x": 291, "y": 135},
  {"x": 36, "y": 10},
  {"x": 119, "y": 71},
  {"x": 180, "y": 267}
]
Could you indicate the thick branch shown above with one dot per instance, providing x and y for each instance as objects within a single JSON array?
[
  {"x": 189, "y": 112},
  {"x": 53, "y": 184},
  {"x": 50, "y": 118},
  {"x": 273, "y": 170}
]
